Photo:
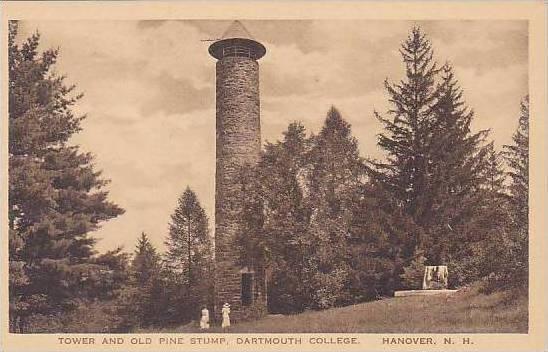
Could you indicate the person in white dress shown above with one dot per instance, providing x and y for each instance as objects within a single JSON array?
[
  {"x": 204, "y": 321},
  {"x": 226, "y": 317}
]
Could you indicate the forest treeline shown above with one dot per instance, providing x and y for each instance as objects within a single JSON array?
[{"x": 334, "y": 228}]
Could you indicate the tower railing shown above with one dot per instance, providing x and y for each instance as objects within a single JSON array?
[{"x": 240, "y": 51}]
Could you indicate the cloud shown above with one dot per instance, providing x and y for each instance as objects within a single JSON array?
[
  {"x": 482, "y": 45},
  {"x": 495, "y": 97},
  {"x": 172, "y": 95}
]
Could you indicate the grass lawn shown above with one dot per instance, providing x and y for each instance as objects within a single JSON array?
[{"x": 466, "y": 311}]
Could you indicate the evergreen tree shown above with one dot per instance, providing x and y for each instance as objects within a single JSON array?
[
  {"x": 408, "y": 128},
  {"x": 146, "y": 261},
  {"x": 413, "y": 274},
  {"x": 517, "y": 157},
  {"x": 276, "y": 215},
  {"x": 142, "y": 303},
  {"x": 436, "y": 165},
  {"x": 97, "y": 310},
  {"x": 493, "y": 172},
  {"x": 189, "y": 254},
  {"x": 100, "y": 311},
  {"x": 55, "y": 196},
  {"x": 336, "y": 173},
  {"x": 455, "y": 203},
  {"x": 378, "y": 235},
  {"x": 490, "y": 253},
  {"x": 517, "y": 243},
  {"x": 304, "y": 191},
  {"x": 113, "y": 271}
]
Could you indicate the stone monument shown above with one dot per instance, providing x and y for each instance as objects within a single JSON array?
[
  {"x": 434, "y": 282},
  {"x": 435, "y": 277}
]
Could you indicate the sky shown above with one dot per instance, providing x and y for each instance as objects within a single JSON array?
[{"x": 149, "y": 94}]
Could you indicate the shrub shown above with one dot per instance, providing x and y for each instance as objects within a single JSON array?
[{"x": 413, "y": 274}]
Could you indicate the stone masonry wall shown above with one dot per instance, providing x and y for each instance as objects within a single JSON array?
[{"x": 238, "y": 143}]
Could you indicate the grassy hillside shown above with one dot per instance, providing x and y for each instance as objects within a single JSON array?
[{"x": 465, "y": 311}]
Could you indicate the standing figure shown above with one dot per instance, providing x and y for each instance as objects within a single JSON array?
[
  {"x": 204, "y": 321},
  {"x": 226, "y": 317}
]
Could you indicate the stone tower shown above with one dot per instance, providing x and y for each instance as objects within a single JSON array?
[{"x": 238, "y": 143}]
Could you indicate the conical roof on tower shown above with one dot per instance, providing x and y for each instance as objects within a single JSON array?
[
  {"x": 237, "y": 41},
  {"x": 237, "y": 30}
]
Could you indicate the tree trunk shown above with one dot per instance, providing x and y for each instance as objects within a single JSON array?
[{"x": 189, "y": 256}]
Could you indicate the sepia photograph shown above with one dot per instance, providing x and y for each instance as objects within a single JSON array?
[{"x": 237, "y": 175}]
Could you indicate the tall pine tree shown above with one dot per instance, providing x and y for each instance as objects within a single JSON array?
[
  {"x": 404, "y": 174},
  {"x": 517, "y": 157},
  {"x": 146, "y": 261},
  {"x": 55, "y": 196},
  {"x": 142, "y": 303},
  {"x": 189, "y": 254},
  {"x": 435, "y": 164},
  {"x": 490, "y": 253},
  {"x": 453, "y": 202},
  {"x": 336, "y": 173}
]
